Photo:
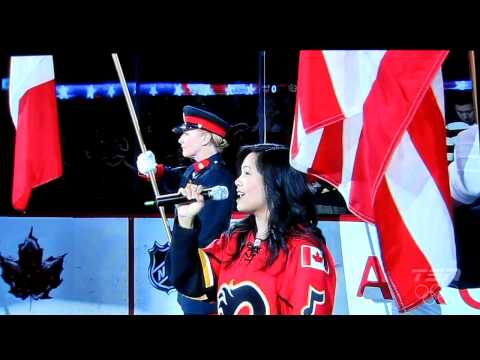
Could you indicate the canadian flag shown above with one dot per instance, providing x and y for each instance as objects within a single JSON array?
[
  {"x": 312, "y": 257},
  {"x": 33, "y": 107},
  {"x": 371, "y": 123}
]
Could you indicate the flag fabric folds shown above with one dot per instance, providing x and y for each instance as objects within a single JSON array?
[
  {"x": 371, "y": 123},
  {"x": 33, "y": 107}
]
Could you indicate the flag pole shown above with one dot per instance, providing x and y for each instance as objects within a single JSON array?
[
  {"x": 133, "y": 116},
  {"x": 264, "y": 107},
  {"x": 473, "y": 74},
  {"x": 262, "y": 116}
]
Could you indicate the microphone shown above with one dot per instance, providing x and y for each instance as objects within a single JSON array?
[
  {"x": 314, "y": 187},
  {"x": 216, "y": 193}
]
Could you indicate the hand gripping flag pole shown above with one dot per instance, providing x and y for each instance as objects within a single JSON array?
[{"x": 133, "y": 116}]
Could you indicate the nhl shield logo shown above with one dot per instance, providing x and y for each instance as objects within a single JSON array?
[{"x": 156, "y": 270}]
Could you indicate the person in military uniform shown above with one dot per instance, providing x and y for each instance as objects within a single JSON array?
[{"x": 202, "y": 138}]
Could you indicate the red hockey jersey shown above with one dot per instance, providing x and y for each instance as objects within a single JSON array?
[{"x": 301, "y": 282}]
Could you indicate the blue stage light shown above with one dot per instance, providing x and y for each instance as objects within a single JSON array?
[
  {"x": 90, "y": 91},
  {"x": 111, "y": 90},
  {"x": 458, "y": 85},
  {"x": 62, "y": 91},
  {"x": 251, "y": 89},
  {"x": 201, "y": 89},
  {"x": 153, "y": 90},
  {"x": 178, "y": 90},
  {"x": 238, "y": 89}
]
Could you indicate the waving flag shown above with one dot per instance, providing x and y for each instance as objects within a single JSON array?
[
  {"x": 33, "y": 106},
  {"x": 371, "y": 123}
]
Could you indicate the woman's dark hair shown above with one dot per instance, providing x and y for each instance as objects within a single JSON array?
[{"x": 289, "y": 200}]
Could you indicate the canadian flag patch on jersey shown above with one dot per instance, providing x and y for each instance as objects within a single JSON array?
[{"x": 312, "y": 257}]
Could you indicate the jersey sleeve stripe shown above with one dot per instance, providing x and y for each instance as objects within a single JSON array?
[{"x": 206, "y": 269}]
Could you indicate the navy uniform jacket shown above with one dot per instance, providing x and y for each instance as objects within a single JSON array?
[{"x": 214, "y": 217}]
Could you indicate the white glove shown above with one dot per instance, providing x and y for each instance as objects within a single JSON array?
[{"x": 146, "y": 162}]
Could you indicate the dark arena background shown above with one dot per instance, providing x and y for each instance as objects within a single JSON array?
[{"x": 98, "y": 139}]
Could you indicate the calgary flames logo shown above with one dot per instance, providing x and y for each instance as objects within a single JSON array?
[{"x": 245, "y": 298}]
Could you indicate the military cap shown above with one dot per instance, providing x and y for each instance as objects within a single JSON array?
[{"x": 195, "y": 118}]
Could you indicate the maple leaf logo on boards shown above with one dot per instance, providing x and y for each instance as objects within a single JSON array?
[{"x": 29, "y": 275}]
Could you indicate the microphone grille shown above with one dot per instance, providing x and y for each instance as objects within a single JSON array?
[{"x": 219, "y": 192}]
